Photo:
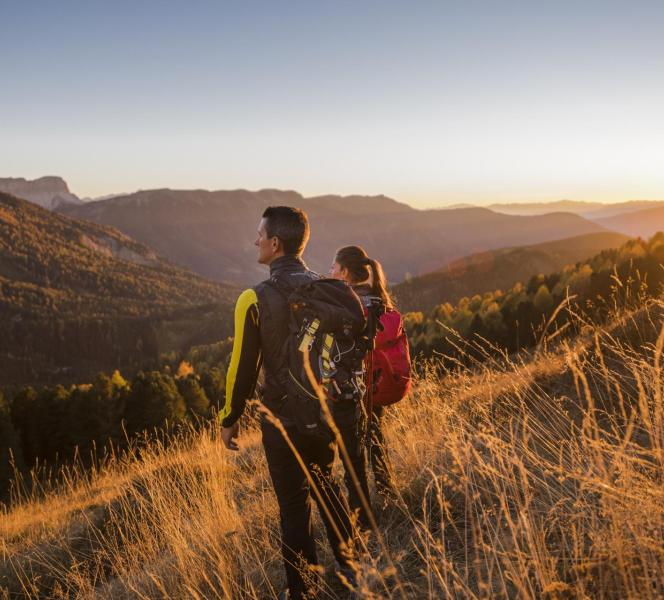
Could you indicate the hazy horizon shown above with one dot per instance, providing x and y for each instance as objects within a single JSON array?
[
  {"x": 428, "y": 103},
  {"x": 433, "y": 205}
]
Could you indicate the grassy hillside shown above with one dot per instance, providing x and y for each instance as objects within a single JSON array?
[
  {"x": 535, "y": 478},
  {"x": 76, "y": 297},
  {"x": 212, "y": 232},
  {"x": 499, "y": 269}
]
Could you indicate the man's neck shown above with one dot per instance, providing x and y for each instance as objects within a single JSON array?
[
  {"x": 275, "y": 258},
  {"x": 285, "y": 261}
]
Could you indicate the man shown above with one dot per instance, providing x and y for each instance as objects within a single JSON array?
[{"x": 261, "y": 329}]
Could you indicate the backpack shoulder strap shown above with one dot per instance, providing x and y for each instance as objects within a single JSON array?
[{"x": 286, "y": 284}]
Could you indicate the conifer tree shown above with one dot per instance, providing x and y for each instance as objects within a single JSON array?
[
  {"x": 194, "y": 397},
  {"x": 213, "y": 382},
  {"x": 23, "y": 416},
  {"x": 11, "y": 455},
  {"x": 55, "y": 439},
  {"x": 543, "y": 300},
  {"x": 154, "y": 402}
]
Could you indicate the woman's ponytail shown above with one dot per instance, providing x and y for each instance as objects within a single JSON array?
[
  {"x": 379, "y": 287},
  {"x": 363, "y": 269}
]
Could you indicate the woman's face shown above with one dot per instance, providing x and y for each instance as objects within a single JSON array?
[{"x": 338, "y": 272}]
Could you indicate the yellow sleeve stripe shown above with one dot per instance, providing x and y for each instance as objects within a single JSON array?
[{"x": 243, "y": 306}]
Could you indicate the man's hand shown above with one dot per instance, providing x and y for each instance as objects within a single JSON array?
[{"x": 228, "y": 435}]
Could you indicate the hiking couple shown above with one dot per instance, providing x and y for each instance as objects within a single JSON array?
[{"x": 332, "y": 350}]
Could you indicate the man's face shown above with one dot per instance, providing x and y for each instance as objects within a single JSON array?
[{"x": 268, "y": 247}]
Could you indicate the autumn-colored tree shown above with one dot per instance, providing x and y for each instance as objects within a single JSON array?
[{"x": 184, "y": 370}]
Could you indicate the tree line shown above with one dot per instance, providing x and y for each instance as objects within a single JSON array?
[
  {"x": 56, "y": 424},
  {"x": 516, "y": 318}
]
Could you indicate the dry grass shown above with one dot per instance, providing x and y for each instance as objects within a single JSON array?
[{"x": 534, "y": 480}]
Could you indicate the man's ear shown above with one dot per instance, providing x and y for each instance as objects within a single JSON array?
[{"x": 276, "y": 244}]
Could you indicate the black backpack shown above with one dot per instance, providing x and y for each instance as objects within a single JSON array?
[{"x": 327, "y": 319}]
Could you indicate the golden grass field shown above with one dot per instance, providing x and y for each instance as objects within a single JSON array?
[{"x": 536, "y": 478}]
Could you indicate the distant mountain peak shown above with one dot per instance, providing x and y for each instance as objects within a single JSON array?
[
  {"x": 54, "y": 182},
  {"x": 458, "y": 205},
  {"x": 49, "y": 192},
  {"x": 358, "y": 204}
]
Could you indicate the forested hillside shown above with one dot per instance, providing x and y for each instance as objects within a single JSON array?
[
  {"x": 518, "y": 316},
  {"x": 76, "y": 297},
  {"x": 498, "y": 269}
]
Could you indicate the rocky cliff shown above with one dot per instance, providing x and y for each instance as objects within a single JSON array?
[{"x": 48, "y": 192}]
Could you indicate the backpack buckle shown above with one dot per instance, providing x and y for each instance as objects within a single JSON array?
[{"x": 309, "y": 335}]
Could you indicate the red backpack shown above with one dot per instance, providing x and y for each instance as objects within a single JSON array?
[{"x": 391, "y": 361}]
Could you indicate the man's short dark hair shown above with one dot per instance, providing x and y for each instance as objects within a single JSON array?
[{"x": 290, "y": 225}]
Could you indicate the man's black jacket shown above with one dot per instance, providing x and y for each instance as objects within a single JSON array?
[{"x": 262, "y": 317}]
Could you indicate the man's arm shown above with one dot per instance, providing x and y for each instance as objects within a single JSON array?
[{"x": 244, "y": 365}]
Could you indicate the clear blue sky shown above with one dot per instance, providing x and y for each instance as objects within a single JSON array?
[{"x": 429, "y": 102}]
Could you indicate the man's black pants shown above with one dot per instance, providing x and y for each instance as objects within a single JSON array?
[{"x": 294, "y": 498}]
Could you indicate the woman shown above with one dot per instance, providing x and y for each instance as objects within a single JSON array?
[{"x": 365, "y": 275}]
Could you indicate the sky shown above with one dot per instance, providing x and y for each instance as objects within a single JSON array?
[{"x": 431, "y": 103}]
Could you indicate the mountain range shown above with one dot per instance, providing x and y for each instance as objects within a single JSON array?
[
  {"x": 642, "y": 223},
  {"x": 77, "y": 297},
  {"x": 589, "y": 210},
  {"x": 120, "y": 280},
  {"x": 212, "y": 233}
]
